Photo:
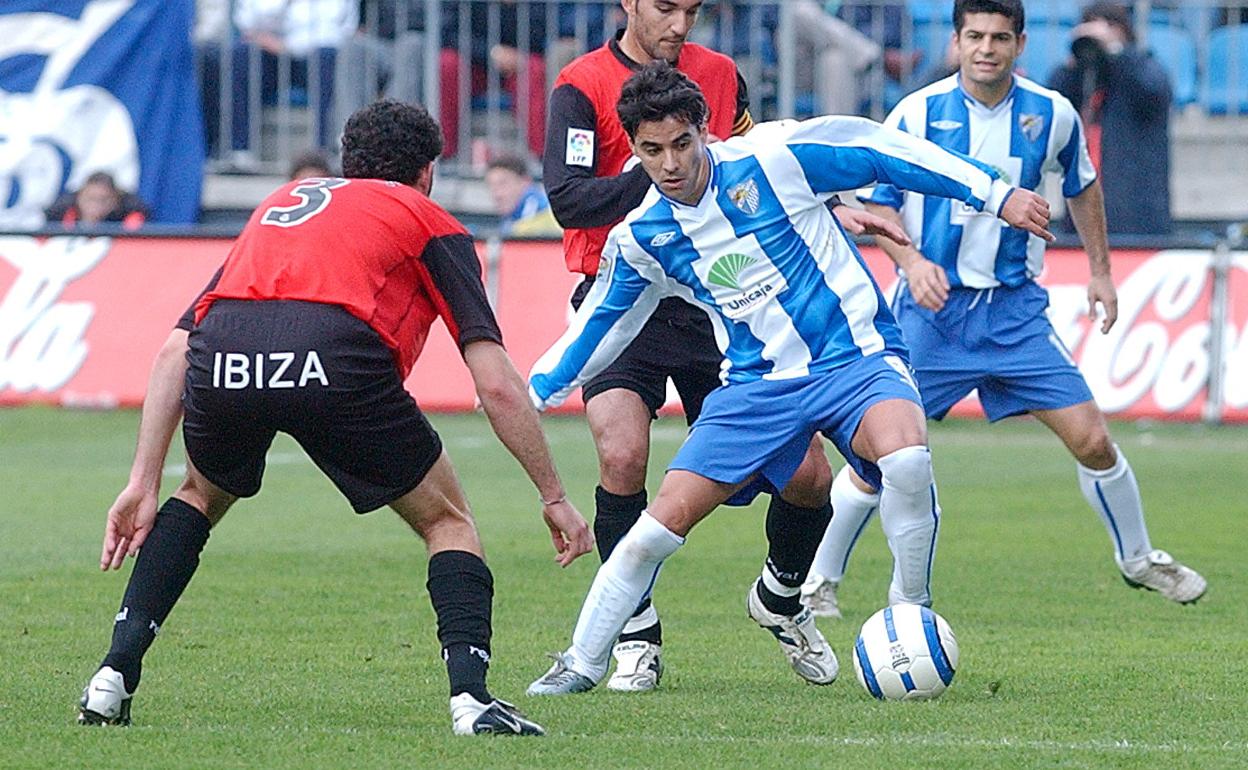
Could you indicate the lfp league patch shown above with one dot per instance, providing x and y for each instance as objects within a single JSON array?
[{"x": 580, "y": 148}]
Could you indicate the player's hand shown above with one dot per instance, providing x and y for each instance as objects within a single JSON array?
[
  {"x": 129, "y": 522},
  {"x": 928, "y": 283},
  {"x": 569, "y": 532},
  {"x": 1101, "y": 290},
  {"x": 859, "y": 222},
  {"x": 1027, "y": 211}
]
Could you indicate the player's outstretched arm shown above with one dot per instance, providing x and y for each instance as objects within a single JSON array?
[
  {"x": 1087, "y": 210},
  {"x": 131, "y": 516},
  {"x": 506, "y": 402},
  {"x": 928, "y": 283}
]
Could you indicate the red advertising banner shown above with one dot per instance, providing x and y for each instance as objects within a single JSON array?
[{"x": 82, "y": 318}]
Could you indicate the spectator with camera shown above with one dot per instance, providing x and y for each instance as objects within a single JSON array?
[{"x": 1123, "y": 95}]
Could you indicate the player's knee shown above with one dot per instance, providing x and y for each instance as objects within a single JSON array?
[
  {"x": 1096, "y": 450},
  {"x": 622, "y": 466},
  {"x": 907, "y": 470}
]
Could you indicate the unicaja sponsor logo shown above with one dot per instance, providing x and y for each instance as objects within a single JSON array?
[{"x": 728, "y": 272}]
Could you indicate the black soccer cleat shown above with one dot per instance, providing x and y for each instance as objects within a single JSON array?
[{"x": 470, "y": 716}]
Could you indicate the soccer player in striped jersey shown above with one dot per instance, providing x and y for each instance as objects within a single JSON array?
[
  {"x": 739, "y": 228},
  {"x": 970, "y": 309}
]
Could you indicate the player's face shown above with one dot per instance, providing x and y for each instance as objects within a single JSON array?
[
  {"x": 987, "y": 47},
  {"x": 660, "y": 27},
  {"x": 671, "y": 152}
]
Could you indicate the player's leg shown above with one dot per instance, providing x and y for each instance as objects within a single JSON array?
[
  {"x": 1109, "y": 485},
  {"x": 893, "y": 436},
  {"x": 628, "y": 575},
  {"x": 854, "y": 501},
  {"x": 461, "y": 589},
  {"x": 620, "y": 404},
  {"x": 162, "y": 570},
  {"x": 794, "y": 519}
]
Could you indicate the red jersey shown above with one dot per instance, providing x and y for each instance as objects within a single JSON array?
[
  {"x": 586, "y": 146},
  {"x": 383, "y": 251}
]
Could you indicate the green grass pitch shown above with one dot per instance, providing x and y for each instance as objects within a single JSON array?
[{"x": 306, "y": 639}]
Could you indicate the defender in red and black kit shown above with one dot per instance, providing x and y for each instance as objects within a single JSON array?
[
  {"x": 310, "y": 328},
  {"x": 590, "y": 190}
]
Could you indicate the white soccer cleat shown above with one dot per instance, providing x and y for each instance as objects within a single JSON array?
[
  {"x": 819, "y": 594},
  {"x": 808, "y": 652},
  {"x": 638, "y": 667},
  {"x": 1158, "y": 571},
  {"x": 470, "y": 716},
  {"x": 561, "y": 679},
  {"x": 105, "y": 700}
]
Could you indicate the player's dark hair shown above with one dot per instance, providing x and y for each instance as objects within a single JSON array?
[
  {"x": 390, "y": 140},
  {"x": 1010, "y": 9},
  {"x": 658, "y": 91}
]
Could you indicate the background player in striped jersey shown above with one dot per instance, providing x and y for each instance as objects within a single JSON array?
[
  {"x": 310, "y": 328},
  {"x": 971, "y": 311},
  {"x": 590, "y": 190},
  {"x": 740, "y": 228}
]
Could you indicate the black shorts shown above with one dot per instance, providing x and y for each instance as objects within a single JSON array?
[
  {"x": 313, "y": 371},
  {"x": 677, "y": 342}
]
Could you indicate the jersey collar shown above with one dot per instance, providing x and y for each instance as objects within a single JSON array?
[{"x": 1009, "y": 95}]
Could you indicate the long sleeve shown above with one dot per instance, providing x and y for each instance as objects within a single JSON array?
[
  {"x": 843, "y": 153},
  {"x": 578, "y": 197},
  {"x": 612, "y": 315}
]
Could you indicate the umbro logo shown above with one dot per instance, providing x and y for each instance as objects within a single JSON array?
[
  {"x": 946, "y": 125},
  {"x": 662, "y": 239}
]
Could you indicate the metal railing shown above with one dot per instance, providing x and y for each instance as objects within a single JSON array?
[{"x": 487, "y": 71}]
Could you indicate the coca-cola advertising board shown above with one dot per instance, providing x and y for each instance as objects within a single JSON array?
[{"x": 82, "y": 318}]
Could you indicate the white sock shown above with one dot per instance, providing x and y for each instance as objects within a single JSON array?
[
  {"x": 1115, "y": 495},
  {"x": 621, "y": 583},
  {"x": 851, "y": 510},
  {"x": 910, "y": 516}
]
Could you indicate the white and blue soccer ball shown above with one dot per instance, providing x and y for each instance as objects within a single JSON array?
[{"x": 905, "y": 652}]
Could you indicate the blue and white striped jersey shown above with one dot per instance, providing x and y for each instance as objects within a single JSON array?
[
  {"x": 786, "y": 291},
  {"x": 1034, "y": 131}
]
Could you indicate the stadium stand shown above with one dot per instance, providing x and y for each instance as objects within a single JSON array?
[{"x": 1226, "y": 76}]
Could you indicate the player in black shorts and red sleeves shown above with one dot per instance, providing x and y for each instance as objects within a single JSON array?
[
  {"x": 592, "y": 185},
  {"x": 310, "y": 328}
]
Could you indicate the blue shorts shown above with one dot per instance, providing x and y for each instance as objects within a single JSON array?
[
  {"x": 998, "y": 341},
  {"x": 759, "y": 431}
]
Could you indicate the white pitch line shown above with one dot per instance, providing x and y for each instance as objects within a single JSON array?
[{"x": 1121, "y": 745}]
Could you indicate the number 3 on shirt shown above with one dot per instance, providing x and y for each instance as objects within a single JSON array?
[{"x": 314, "y": 195}]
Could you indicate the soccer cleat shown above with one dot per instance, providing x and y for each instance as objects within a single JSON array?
[
  {"x": 560, "y": 679},
  {"x": 638, "y": 667},
  {"x": 1158, "y": 571},
  {"x": 470, "y": 716},
  {"x": 819, "y": 594},
  {"x": 105, "y": 700},
  {"x": 808, "y": 652}
]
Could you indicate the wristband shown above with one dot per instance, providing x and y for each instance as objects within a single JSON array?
[{"x": 561, "y": 499}]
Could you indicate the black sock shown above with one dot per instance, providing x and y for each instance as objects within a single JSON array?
[
  {"x": 461, "y": 590},
  {"x": 614, "y": 516},
  {"x": 161, "y": 572},
  {"x": 793, "y": 536}
]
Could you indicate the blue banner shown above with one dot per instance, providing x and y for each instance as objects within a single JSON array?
[{"x": 98, "y": 85}]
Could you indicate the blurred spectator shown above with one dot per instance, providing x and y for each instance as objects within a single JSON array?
[
  {"x": 98, "y": 202},
  {"x": 882, "y": 22},
  {"x": 306, "y": 34},
  {"x": 519, "y": 63},
  {"x": 309, "y": 165},
  {"x": 384, "y": 58},
  {"x": 521, "y": 203},
  {"x": 1123, "y": 95}
]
